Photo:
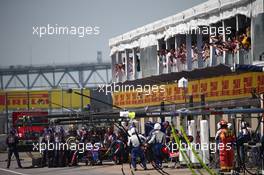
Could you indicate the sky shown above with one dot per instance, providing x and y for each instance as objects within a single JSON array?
[{"x": 20, "y": 44}]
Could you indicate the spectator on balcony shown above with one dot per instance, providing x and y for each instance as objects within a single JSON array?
[
  {"x": 172, "y": 61},
  {"x": 166, "y": 61},
  {"x": 194, "y": 56},
  {"x": 119, "y": 71},
  {"x": 130, "y": 67},
  {"x": 206, "y": 54},
  {"x": 162, "y": 54},
  {"x": 218, "y": 44},
  {"x": 176, "y": 59},
  {"x": 232, "y": 45},
  {"x": 216, "y": 41},
  {"x": 182, "y": 57},
  {"x": 246, "y": 40}
]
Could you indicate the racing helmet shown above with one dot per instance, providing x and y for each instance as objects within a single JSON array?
[
  {"x": 157, "y": 126},
  {"x": 230, "y": 126},
  {"x": 132, "y": 130}
]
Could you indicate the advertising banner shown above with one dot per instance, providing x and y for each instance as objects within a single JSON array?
[
  {"x": 234, "y": 86},
  {"x": 42, "y": 99}
]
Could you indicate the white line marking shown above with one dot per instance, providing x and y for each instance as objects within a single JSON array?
[{"x": 14, "y": 172}]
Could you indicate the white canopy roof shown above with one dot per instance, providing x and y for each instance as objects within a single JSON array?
[{"x": 206, "y": 13}]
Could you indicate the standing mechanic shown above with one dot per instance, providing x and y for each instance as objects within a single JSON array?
[
  {"x": 135, "y": 142},
  {"x": 12, "y": 141},
  {"x": 158, "y": 140}
]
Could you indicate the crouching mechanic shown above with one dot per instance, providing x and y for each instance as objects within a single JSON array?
[
  {"x": 157, "y": 140},
  {"x": 135, "y": 142}
]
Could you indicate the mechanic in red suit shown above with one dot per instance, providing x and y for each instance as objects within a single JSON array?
[{"x": 226, "y": 147}]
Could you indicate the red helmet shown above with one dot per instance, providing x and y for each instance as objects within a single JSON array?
[{"x": 165, "y": 150}]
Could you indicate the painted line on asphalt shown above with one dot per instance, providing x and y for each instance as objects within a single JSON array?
[{"x": 10, "y": 171}]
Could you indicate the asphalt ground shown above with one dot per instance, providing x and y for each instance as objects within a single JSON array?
[{"x": 108, "y": 168}]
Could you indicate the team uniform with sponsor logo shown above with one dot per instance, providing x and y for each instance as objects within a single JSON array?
[
  {"x": 136, "y": 150},
  {"x": 227, "y": 150},
  {"x": 158, "y": 140}
]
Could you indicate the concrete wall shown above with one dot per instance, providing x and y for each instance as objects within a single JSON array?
[
  {"x": 257, "y": 30},
  {"x": 148, "y": 61},
  {"x": 114, "y": 62}
]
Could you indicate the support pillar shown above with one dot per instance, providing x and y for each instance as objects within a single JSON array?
[
  {"x": 176, "y": 42},
  {"x": 213, "y": 121},
  {"x": 119, "y": 61},
  {"x": 252, "y": 28},
  {"x": 212, "y": 54},
  {"x": 127, "y": 75},
  {"x": 192, "y": 130},
  {"x": 224, "y": 40},
  {"x": 237, "y": 60},
  {"x": 204, "y": 134},
  {"x": 28, "y": 95},
  {"x": 142, "y": 125},
  {"x": 54, "y": 79},
  {"x": 167, "y": 60},
  {"x": 189, "y": 51},
  {"x": 199, "y": 47},
  {"x": 114, "y": 62},
  {"x": 158, "y": 61},
  {"x": 176, "y": 45},
  {"x": 134, "y": 64}
]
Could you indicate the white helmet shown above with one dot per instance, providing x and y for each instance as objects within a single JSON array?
[
  {"x": 229, "y": 126},
  {"x": 123, "y": 123},
  {"x": 157, "y": 126},
  {"x": 132, "y": 130}
]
